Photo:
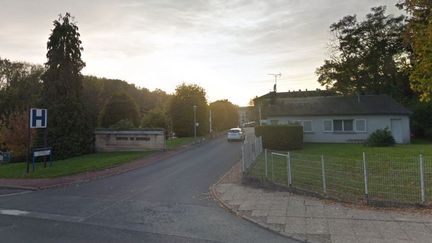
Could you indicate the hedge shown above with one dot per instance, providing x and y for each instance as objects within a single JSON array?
[{"x": 281, "y": 137}]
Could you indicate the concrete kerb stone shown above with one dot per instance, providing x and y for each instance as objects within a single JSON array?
[
  {"x": 217, "y": 198},
  {"x": 43, "y": 184}
]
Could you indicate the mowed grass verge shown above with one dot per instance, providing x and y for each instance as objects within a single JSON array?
[
  {"x": 89, "y": 162},
  {"x": 393, "y": 172}
]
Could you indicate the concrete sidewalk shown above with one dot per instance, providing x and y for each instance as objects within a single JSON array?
[{"x": 313, "y": 220}]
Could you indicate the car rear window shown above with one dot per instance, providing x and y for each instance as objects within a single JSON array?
[{"x": 234, "y": 131}]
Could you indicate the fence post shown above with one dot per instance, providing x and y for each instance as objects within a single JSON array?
[
  {"x": 422, "y": 187},
  {"x": 365, "y": 173},
  {"x": 289, "y": 169},
  {"x": 243, "y": 158},
  {"x": 272, "y": 165},
  {"x": 265, "y": 160},
  {"x": 323, "y": 175}
]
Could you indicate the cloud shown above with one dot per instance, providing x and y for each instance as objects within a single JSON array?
[{"x": 224, "y": 45}]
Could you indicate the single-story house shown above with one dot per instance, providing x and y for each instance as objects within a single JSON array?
[{"x": 338, "y": 119}]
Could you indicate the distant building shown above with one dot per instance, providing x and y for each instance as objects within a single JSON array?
[
  {"x": 330, "y": 118},
  {"x": 245, "y": 114}
]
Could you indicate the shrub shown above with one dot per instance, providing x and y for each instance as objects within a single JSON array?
[
  {"x": 428, "y": 133},
  {"x": 124, "y": 124},
  {"x": 14, "y": 134},
  {"x": 381, "y": 138},
  {"x": 281, "y": 137}
]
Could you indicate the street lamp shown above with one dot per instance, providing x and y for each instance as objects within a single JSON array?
[{"x": 194, "y": 125}]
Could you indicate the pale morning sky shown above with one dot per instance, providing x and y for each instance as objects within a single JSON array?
[{"x": 226, "y": 46}]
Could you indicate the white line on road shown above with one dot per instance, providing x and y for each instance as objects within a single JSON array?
[{"x": 40, "y": 215}]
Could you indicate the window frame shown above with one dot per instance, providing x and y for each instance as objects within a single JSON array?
[
  {"x": 365, "y": 125},
  {"x": 301, "y": 122},
  {"x": 343, "y": 126},
  {"x": 331, "y": 125}
]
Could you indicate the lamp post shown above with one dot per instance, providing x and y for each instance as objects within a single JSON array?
[{"x": 194, "y": 125}]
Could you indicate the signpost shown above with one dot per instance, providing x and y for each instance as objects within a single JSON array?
[
  {"x": 40, "y": 152},
  {"x": 38, "y": 119}
]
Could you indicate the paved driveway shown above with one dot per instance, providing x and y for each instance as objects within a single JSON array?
[{"x": 164, "y": 202}]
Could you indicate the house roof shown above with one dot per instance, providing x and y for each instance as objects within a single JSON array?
[
  {"x": 337, "y": 105},
  {"x": 300, "y": 93}
]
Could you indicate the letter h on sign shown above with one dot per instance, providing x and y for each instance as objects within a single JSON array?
[{"x": 38, "y": 118}]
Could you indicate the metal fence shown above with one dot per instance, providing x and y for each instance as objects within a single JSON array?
[
  {"x": 251, "y": 149},
  {"x": 377, "y": 179}
]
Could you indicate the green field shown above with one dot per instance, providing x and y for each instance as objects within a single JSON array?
[{"x": 393, "y": 171}]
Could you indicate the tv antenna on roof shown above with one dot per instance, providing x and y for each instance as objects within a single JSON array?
[{"x": 276, "y": 75}]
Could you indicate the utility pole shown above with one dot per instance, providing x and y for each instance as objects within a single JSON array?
[
  {"x": 194, "y": 125},
  {"x": 276, "y": 75},
  {"x": 210, "y": 122}
]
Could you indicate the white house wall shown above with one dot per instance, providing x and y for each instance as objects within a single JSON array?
[{"x": 373, "y": 122}]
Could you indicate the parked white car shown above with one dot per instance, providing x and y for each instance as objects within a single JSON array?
[{"x": 235, "y": 134}]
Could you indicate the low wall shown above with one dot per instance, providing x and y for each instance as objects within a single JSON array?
[{"x": 134, "y": 140}]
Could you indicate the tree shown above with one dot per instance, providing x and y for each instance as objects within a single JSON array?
[
  {"x": 368, "y": 56},
  {"x": 224, "y": 115},
  {"x": 20, "y": 86},
  {"x": 182, "y": 112},
  {"x": 419, "y": 36},
  {"x": 69, "y": 131},
  {"x": 119, "y": 107},
  {"x": 156, "y": 118}
]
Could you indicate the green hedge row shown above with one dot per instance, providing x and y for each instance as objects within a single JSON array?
[{"x": 281, "y": 137}]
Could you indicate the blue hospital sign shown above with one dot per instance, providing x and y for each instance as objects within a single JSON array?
[{"x": 38, "y": 118}]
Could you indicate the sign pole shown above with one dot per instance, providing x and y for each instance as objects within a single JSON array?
[
  {"x": 45, "y": 145},
  {"x": 28, "y": 142}
]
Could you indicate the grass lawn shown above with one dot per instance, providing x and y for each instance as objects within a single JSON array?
[
  {"x": 73, "y": 165},
  {"x": 393, "y": 171},
  {"x": 90, "y": 162},
  {"x": 174, "y": 143}
]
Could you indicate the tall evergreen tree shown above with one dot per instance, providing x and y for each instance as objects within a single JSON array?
[{"x": 69, "y": 132}]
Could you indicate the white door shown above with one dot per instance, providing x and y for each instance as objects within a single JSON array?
[{"x": 396, "y": 129}]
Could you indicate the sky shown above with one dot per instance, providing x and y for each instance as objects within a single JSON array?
[{"x": 229, "y": 47}]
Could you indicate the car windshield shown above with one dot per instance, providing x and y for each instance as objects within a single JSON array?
[{"x": 234, "y": 131}]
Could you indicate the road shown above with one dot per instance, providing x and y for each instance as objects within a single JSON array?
[{"x": 167, "y": 201}]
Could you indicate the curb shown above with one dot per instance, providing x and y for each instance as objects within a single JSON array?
[
  {"x": 110, "y": 171},
  {"x": 216, "y": 197}
]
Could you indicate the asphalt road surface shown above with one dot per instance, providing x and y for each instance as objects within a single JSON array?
[{"x": 167, "y": 201}]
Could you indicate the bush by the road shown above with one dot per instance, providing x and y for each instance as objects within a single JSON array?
[{"x": 281, "y": 137}]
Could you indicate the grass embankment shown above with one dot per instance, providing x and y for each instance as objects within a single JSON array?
[
  {"x": 393, "y": 171},
  {"x": 90, "y": 162},
  {"x": 174, "y": 143}
]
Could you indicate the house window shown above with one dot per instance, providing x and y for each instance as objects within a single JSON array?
[
  {"x": 307, "y": 125},
  {"x": 360, "y": 125},
  {"x": 328, "y": 126},
  {"x": 343, "y": 125}
]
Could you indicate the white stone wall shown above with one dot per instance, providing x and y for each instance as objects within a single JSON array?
[{"x": 129, "y": 140}]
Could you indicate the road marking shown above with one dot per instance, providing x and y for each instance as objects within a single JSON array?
[
  {"x": 40, "y": 215},
  {"x": 15, "y": 193},
  {"x": 13, "y": 212}
]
